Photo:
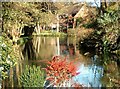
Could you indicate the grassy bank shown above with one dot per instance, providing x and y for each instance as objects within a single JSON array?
[{"x": 53, "y": 34}]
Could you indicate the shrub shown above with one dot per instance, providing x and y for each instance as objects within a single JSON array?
[
  {"x": 7, "y": 56},
  {"x": 108, "y": 24},
  {"x": 59, "y": 71},
  {"x": 32, "y": 76}
]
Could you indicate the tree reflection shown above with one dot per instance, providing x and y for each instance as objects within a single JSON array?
[{"x": 28, "y": 50}]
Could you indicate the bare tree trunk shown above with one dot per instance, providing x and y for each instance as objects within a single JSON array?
[
  {"x": 11, "y": 78},
  {"x": 74, "y": 23},
  {"x": 98, "y": 9},
  {"x": 58, "y": 46},
  {"x": 57, "y": 23},
  {"x": 105, "y": 2},
  {"x": 103, "y": 6},
  {"x": 1, "y": 25}
]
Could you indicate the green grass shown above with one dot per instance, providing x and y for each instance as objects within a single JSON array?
[{"x": 53, "y": 34}]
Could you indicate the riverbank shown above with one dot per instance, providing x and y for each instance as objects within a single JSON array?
[{"x": 79, "y": 32}]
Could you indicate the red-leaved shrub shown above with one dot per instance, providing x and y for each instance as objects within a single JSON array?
[{"x": 59, "y": 69}]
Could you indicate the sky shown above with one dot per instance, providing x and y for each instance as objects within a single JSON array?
[{"x": 91, "y": 1}]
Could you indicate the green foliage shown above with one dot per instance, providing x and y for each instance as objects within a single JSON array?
[
  {"x": 32, "y": 77},
  {"x": 111, "y": 74},
  {"x": 108, "y": 24},
  {"x": 79, "y": 20},
  {"x": 23, "y": 40},
  {"x": 109, "y": 19},
  {"x": 7, "y": 56},
  {"x": 106, "y": 34},
  {"x": 52, "y": 34},
  {"x": 90, "y": 25},
  {"x": 16, "y": 15},
  {"x": 105, "y": 46}
]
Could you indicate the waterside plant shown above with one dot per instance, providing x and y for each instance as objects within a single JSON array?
[
  {"x": 7, "y": 56},
  {"x": 32, "y": 76},
  {"x": 59, "y": 72}
]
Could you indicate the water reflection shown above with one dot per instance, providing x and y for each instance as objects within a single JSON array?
[
  {"x": 90, "y": 75},
  {"x": 44, "y": 48},
  {"x": 28, "y": 50}
]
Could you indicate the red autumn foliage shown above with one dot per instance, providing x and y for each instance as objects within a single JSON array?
[
  {"x": 59, "y": 69},
  {"x": 77, "y": 86}
]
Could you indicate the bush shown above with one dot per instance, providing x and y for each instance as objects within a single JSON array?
[
  {"x": 108, "y": 24},
  {"x": 7, "y": 56},
  {"x": 32, "y": 76},
  {"x": 106, "y": 35},
  {"x": 59, "y": 72}
]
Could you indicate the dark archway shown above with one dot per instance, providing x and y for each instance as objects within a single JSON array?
[{"x": 28, "y": 30}]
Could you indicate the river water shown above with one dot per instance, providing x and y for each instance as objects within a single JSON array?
[{"x": 38, "y": 49}]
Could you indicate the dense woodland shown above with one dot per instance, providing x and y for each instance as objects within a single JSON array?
[{"x": 20, "y": 19}]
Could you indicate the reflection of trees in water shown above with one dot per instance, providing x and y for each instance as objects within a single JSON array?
[
  {"x": 45, "y": 47},
  {"x": 63, "y": 46},
  {"x": 111, "y": 67},
  {"x": 28, "y": 50},
  {"x": 71, "y": 49},
  {"x": 67, "y": 46}
]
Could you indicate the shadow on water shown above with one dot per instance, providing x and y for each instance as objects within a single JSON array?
[
  {"x": 28, "y": 50},
  {"x": 91, "y": 66}
]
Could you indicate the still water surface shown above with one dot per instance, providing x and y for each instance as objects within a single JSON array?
[{"x": 38, "y": 49}]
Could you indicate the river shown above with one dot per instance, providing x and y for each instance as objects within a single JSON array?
[{"x": 38, "y": 49}]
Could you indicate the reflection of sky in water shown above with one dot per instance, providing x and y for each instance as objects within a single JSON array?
[{"x": 89, "y": 75}]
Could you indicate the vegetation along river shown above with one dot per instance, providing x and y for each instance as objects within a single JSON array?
[{"x": 92, "y": 67}]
